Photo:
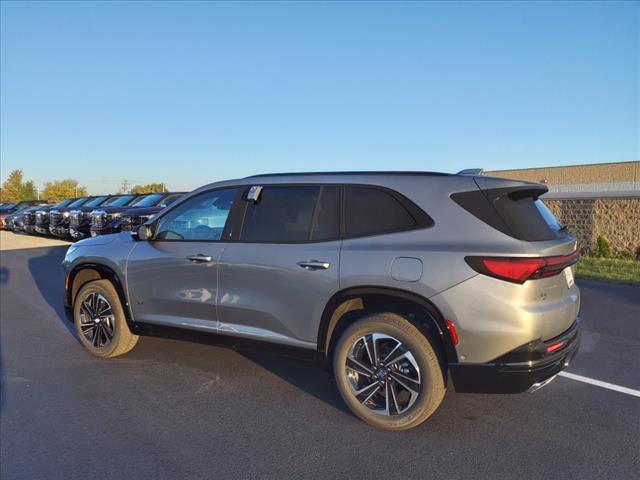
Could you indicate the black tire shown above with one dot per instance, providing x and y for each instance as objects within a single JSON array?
[
  {"x": 409, "y": 407},
  {"x": 113, "y": 335}
]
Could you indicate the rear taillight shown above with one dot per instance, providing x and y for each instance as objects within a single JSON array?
[{"x": 521, "y": 269}]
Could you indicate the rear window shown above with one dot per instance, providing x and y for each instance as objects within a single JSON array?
[
  {"x": 370, "y": 211},
  {"x": 281, "y": 215},
  {"x": 516, "y": 212}
]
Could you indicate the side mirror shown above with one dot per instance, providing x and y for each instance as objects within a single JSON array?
[{"x": 143, "y": 233}]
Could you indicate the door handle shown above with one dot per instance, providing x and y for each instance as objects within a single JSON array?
[
  {"x": 200, "y": 258},
  {"x": 314, "y": 265}
]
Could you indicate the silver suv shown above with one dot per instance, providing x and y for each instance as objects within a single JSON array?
[{"x": 399, "y": 282}]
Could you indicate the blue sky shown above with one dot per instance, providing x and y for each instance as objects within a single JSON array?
[{"x": 189, "y": 93}]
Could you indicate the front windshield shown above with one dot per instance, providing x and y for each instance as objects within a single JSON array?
[
  {"x": 78, "y": 202},
  {"x": 7, "y": 206},
  {"x": 63, "y": 203},
  {"x": 95, "y": 202},
  {"x": 117, "y": 201},
  {"x": 147, "y": 200}
]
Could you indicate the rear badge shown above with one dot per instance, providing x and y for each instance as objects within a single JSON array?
[{"x": 568, "y": 276}]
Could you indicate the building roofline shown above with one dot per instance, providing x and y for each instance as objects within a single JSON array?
[{"x": 560, "y": 166}]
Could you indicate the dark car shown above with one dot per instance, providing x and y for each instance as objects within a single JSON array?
[
  {"x": 59, "y": 219},
  {"x": 80, "y": 219},
  {"x": 16, "y": 221},
  {"x": 30, "y": 216},
  {"x": 11, "y": 208},
  {"x": 42, "y": 215},
  {"x": 112, "y": 219}
]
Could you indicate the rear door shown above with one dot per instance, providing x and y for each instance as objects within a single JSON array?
[
  {"x": 172, "y": 279},
  {"x": 275, "y": 281}
]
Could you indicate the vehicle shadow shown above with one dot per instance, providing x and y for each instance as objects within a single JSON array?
[
  {"x": 306, "y": 376},
  {"x": 48, "y": 276}
]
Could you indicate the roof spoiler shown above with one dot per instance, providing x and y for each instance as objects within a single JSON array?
[{"x": 471, "y": 171}]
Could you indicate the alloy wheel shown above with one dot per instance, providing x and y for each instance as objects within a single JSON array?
[
  {"x": 383, "y": 374},
  {"x": 97, "y": 320}
]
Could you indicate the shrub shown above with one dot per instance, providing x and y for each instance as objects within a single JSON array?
[
  {"x": 603, "y": 249},
  {"x": 625, "y": 255}
]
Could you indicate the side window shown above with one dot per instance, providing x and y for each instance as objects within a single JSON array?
[
  {"x": 200, "y": 218},
  {"x": 370, "y": 211},
  {"x": 293, "y": 214}
]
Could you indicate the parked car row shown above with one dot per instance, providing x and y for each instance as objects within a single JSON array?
[{"x": 78, "y": 218}]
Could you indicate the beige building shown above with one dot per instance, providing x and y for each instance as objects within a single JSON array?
[
  {"x": 596, "y": 173},
  {"x": 593, "y": 200}
]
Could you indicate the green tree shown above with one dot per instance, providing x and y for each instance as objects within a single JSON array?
[
  {"x": 60, "y": 189},
  {"x": 149, "y": 188},
  {"x": 12, "y": 187},
  {"x": 29, "y": 191}
]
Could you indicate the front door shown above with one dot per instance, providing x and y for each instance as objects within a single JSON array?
[{"x": 172, "y": 278}]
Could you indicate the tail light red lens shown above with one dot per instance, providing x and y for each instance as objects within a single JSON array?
[{"x": 521, "y": 269}]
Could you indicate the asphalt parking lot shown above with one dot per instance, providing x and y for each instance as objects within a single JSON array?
[{"x": 171, "y": 409}]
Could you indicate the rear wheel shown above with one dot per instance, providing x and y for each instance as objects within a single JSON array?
[
  {"x": 388, "y": 372},
  {"x": 100, "y": 320}
]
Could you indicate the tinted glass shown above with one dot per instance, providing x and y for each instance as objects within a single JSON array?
[
  {"x": 515, "y": 212},
  {"x": 118, "y": 201},
  {"x": 326, "y": 218},
  {"x": 281, "y": 215},
  {"x": 146, "y": 200},
  {"x": 168, "y": 200},
  {"x": 548, "y": 216},
  {"x": 78, "y": 202},
  {"x": 200, "y": 218},
  {"x": 95, "y": 202},
  {"x": 525, "y": 219},
  {"x": 370, "y": 211},
  {"x": 62, "y": 204}
]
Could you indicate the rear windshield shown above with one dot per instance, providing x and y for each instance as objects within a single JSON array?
[
  {"x": 548, "y": 216},
  {"x": 515, "y": 212}
]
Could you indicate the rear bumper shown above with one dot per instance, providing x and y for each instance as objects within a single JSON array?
[{"x": 524, "y": 369}]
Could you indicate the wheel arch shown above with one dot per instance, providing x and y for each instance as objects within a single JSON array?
[
  {"x": 346, "y": 306},
  {"x": 84, "y": 273}
]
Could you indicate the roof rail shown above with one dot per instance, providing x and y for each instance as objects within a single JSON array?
[{"x": 471, "y": 171}]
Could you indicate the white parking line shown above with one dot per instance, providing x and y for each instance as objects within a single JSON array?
[{"x": 599, "y": 383}]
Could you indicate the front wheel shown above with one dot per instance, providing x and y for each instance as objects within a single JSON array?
[
  {"x": 100, "y": 320},
  {"x": 388, "y": 372}
]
